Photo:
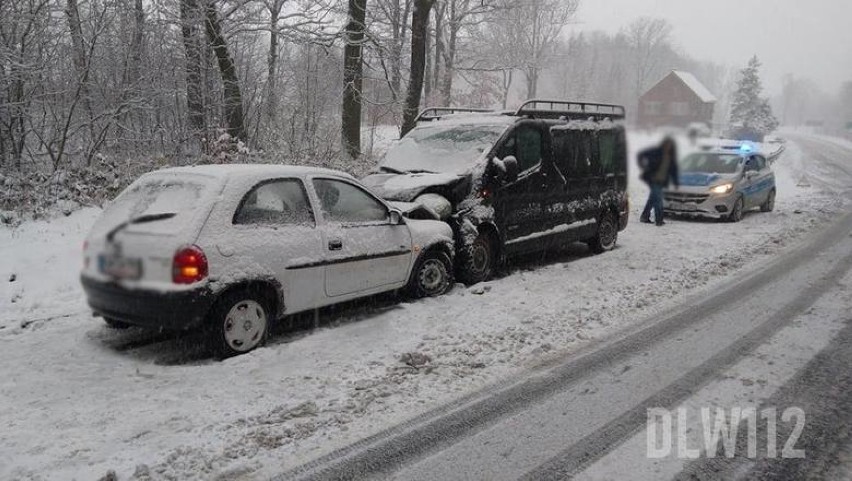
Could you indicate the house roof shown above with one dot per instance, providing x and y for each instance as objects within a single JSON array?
[{"x": 695, "y": 85}]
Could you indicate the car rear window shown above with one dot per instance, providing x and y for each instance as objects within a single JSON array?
[{"x": 158, "y": 194}]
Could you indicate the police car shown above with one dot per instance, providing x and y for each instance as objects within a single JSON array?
[{"x": 723, "y": 183}]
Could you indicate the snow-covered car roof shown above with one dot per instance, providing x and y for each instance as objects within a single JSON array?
[
  {"x": 488, "y": 118},
  {"x": 224, "y": 171}
]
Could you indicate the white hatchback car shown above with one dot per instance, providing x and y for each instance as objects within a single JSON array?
[{"x": 233, "y": 247}]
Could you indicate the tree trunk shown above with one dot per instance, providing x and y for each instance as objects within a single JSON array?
[
  {"x": 532, "y": 74},
  {"x": 508, "y": 75},
  {"x": 353, "y": 65},
  {"x": 419, "y": 30},
  {"x": 427, "y": 77},
  {"x": 439, "y": 47},
  {"x": 449, "y": 65},
  {"x": 189, "y": 17},
  {"x": 135, "y": 61},
  {"x": 228, "y": 71},
  {"x": 272, "y": 59},
  {"x": 80, "y": 60}
]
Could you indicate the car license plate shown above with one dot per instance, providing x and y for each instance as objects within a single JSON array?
[
  {"x": 689, "y": 206},
  {"x": 120, "y": 267}
]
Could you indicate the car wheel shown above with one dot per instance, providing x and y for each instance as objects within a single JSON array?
[
  {"x": 607, "y": 236},
  {"x": 769, "y": 205},
  {"x": 478, "y": 259},
  {"x": 432, "y": 275},
  {"x": 116, "y": 324},
  {"x": 737, "y": 212},
  {"x": 239, "y": 322}
]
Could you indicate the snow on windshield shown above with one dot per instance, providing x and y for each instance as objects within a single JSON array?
[
  {"x": 156, "y": 195},
  {"x": 711, "y": 163},
  {"x": 442, "y": 149}
]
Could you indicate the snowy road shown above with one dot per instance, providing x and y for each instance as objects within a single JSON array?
[
  {"x": 779, "y": 336},
  {"x": 78, "y": 399}
]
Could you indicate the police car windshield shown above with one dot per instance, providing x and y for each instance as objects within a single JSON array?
[
  {"x": 711, "y": 163},
  {"x": 450, "y": 149}
]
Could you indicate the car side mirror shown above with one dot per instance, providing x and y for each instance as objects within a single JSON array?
[
  {"x": 507, "y": 168},
  {"x": 396, "y": 217}
]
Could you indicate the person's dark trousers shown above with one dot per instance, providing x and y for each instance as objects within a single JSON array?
[{"x": 655, "y": 203}]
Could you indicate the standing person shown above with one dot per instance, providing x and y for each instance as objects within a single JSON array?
[{"x": 659, "y": 169}]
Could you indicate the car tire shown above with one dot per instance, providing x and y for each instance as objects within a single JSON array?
[
  {"x": 478, "y": 260},
  {"x": 738, "y": 211},
  {"x": 607, "y": 235},
  {"x": 239, "y": 322},
  {"x": 769, "y": 205},
  {"x": 116, "y": 324},
  {"x": 432, "y": 275}
]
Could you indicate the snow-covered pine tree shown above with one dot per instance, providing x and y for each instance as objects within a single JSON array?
[{"x": 749, "y": 110}]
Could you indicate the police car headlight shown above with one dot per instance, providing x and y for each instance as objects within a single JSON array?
[{"x": 722, "y": 189}]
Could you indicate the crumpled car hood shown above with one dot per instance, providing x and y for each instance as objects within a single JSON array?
[{"x": 406, "y": 187}]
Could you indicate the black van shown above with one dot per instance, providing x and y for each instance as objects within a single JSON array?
[{"x": 550, "y": 173}]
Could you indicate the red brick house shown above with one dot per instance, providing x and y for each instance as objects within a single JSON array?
[{"x": 677, "y": 100}]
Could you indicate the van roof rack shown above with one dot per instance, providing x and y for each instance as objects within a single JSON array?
[
  {"x": 436, "y": 113},
  {"x": 557, "y": 109}
]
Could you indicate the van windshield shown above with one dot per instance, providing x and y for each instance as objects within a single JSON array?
[
  {"x": 441, "y": 149},
  {"x": 711, "y": 163}
]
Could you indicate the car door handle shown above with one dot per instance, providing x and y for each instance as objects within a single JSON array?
[{"x": 335, "y": 245}]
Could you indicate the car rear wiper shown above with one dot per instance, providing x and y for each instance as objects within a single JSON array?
[
  {"x": 142, "y": 219},
  {"x": 390, "y": 170},
  {"x": 420, "y": 171}
]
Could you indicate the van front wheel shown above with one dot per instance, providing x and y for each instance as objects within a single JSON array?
[
  {"x": 607, "y": 236},
  {"x": 478, "y": 260}
]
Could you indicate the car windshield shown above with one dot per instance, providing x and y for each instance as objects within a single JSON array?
[
  {"x": 711, "y": 163},
  {"x": 441, "y": 149},
  {"x": 154, "y": 197}
]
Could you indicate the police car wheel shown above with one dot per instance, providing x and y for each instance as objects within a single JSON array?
[
  {"x": 737, "y": 212},
  {"x": 769, "y": 205}
]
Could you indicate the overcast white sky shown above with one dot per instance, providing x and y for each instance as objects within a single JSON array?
[{"x": 811, "y": 38}]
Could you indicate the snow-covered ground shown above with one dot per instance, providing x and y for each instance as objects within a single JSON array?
[{"x": 78, "y": 399}]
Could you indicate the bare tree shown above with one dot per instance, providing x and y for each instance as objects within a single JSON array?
[
  {"x": 457, "y": 15},
  {"x": 648, "y": 39},
  {"x": 190, "y": 23},
  {"x": 526, "y": 32},
  {"x": 353, "y": 65},
  {"x": 228, "y": 71},
  {"x": 419, "y": 30}
]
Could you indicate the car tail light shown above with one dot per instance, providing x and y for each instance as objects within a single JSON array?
[{"x": 189, "y": 265}]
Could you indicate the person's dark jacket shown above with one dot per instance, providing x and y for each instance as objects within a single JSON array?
[{"x": 651, "y": 160}]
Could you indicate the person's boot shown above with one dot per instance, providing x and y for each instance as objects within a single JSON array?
[
  {"x": 661, "y": 223},
  {"x": 645, "y": 220}
]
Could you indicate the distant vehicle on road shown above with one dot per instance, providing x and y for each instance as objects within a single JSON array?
[
  {"x": 232, "y": 248},
  {"x": 548, "y": 174},
  {"x": 722, "y": 183}
]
